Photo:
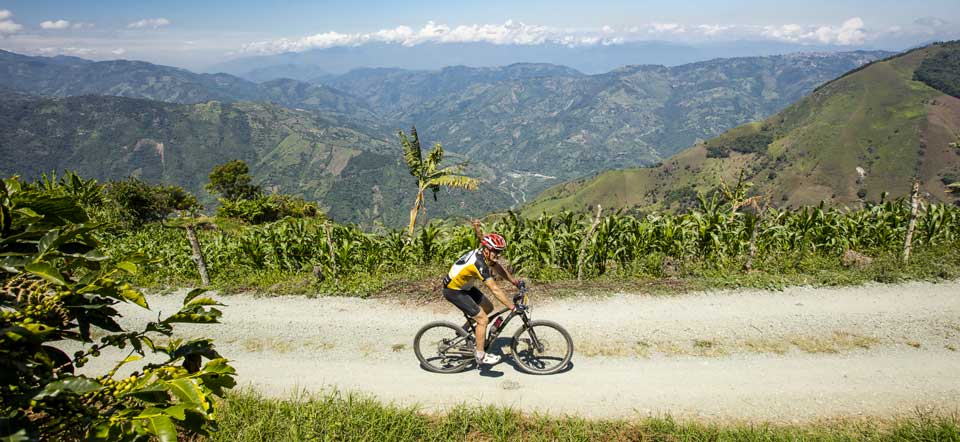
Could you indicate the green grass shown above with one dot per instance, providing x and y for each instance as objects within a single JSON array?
[{"x": 248, "y": 417}]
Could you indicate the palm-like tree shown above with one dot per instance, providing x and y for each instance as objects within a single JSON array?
[{"x": 428, "y": 172}]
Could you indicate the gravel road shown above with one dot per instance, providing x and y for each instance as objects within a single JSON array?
[{"x": 795, "y": 355}]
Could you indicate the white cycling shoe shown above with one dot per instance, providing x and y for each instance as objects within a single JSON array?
[{"x": 488, "y": 359}]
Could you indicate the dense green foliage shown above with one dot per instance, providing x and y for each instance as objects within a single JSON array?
[
  {"x": 135, "y": 202},
  {"x": 57, "y": 288},
  {"x": 251, "y": 418},
  {"x": 942, "y": 70},
  {"x": 547, "y": 247},
  {"x": 232, "y": 181},
  {"x": 268, "y": 208},
  {"x": 748, "y": 143}
]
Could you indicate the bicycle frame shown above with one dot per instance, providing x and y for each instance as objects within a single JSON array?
[{"x": 492, "y": 335}]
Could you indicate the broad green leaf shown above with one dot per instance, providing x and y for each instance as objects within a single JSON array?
[
  {"x": 219, "y": 366},
  {"x": 133, "y": 296},
  {"x": 19, "y": 436},
  {"x": 192, "y": 294},
  {"x": 163, "y": 427},
  {"x": 129, "y": 359},
  {"x": 128, "y": 267},
  {"x": 204, "y": 301},
  {"x": 178, "y": 412},
  {"x": 47, "y": 240},
  {"x": 95, "y": 255},
  {"x": 188, "y": 393},
  {"x": 46, "y": 271},
  {"x": 76, "y": 384},
  {"x": 37, "y": 329},
  {"x": 27, "y": 212}
]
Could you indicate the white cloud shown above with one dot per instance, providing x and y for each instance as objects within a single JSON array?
[
  {"x": 851, "y": 32},
  {"x": 59, "y": 24},
  {"x": 7, "y": 25},
  {"x": 666, "y": 28},
  {"x": 118, "y": 51},
  {"x": 714, "y": 29},
  {"x": 77, "y": 52},
  {"x": 508, "y": 33},
  {"x": 154, "y": 23},
  {"x": 518, "y": 33}
]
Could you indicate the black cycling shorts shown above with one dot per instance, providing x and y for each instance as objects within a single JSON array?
[{"x": 468, "y": 301}]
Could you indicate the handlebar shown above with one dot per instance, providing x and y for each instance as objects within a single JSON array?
[{"x": 520, "y": 298}]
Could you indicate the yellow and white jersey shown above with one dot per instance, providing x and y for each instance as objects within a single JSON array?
[{"x": 468, "y": 269}]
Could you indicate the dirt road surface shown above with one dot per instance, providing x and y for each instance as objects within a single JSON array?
[{"x": 788, "y": 356}]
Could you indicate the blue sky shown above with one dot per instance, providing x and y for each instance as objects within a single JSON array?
[{"x": 195, "y": 33}]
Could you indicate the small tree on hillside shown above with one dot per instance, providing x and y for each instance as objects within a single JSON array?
[
  {"x": 232, "y": 181},
  {"x": 137, "y": 202},
  {"x": 428, "y": 173}
]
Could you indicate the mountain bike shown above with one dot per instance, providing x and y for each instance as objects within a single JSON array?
[{"x": 538, "y": 347}]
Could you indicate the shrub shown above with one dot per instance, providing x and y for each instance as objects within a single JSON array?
[
  {"x": 270, "y": 208},
  {"x": 232, "y": 181},
  {"x": 135, "y": 202},
  {"x": 56, "y": 286}
]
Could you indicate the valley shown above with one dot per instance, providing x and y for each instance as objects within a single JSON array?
[{"x": 522, "y": 128}]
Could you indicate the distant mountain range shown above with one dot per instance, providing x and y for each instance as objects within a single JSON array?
[
  {"x": 590, "y": 59},
  {"x": 871, "y": 131},
  {"x": 523, "y": 127},
  {"x": 70, "y": 76}
]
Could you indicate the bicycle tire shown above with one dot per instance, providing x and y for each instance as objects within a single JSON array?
[
  {"x": 533, "y": 361},
  {"x": 431, "y": 355}
]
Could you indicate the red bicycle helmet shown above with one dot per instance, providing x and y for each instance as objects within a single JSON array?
[{"x": 493, "y": 242}]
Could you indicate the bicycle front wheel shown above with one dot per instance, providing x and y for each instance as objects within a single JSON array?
[
  {"x": 443, "y": 347},
  {"x": 542, "y": 347}
]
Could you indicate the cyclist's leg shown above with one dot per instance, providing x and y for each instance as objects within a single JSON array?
[
  {"x": 482, "y": 300},
  {"x": 466, "y": 302},
  {"x": 487, "y": 308}
]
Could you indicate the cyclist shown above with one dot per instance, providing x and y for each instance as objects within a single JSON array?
[{"x": 459, "y": 286}]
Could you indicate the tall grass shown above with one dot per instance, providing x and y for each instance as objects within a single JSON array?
[{"x": 247, "y": 417}]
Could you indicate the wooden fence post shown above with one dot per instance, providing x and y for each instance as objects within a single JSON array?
[
  {"x": 914, "y": 208},
  {"x": 583, "y": 245},
  {"x": 197, "y": 256}
]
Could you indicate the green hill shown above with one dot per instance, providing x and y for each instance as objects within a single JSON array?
[
  {"x": 870, "y": 131},
  {"x": 289, "y": 151},
  {"x": 70, "y": 76}
]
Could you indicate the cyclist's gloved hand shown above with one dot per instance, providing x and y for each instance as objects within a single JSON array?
[{"x": 521, "y": 284}]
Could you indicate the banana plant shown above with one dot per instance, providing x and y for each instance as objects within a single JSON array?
[{"x": 429, "y": 174}]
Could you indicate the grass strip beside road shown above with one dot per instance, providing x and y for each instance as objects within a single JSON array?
[{"x": 248, "y": 417}]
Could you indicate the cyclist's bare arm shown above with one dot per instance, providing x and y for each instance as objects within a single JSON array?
[
  {"x": 476, "y": 229},
  {"x": 499, "y": 293},
  {"x": 499, "y": 268}
]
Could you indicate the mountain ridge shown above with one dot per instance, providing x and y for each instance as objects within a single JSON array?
[{"x": 867, "y": 132}]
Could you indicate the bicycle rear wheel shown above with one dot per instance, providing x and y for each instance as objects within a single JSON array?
[
  {"x": 542, "y": 347},
  {"x": 443, "y": 347}
]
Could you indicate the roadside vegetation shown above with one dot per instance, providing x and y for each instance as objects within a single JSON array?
[
  {"x": 56, "y": 287},
  {"x": 72, "y": 248},
  {"x": 334, "y": 416},
  {"x": 727, "y": 241}
]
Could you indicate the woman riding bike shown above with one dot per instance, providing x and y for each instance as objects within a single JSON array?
[{"x": 460, "y": 286}]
